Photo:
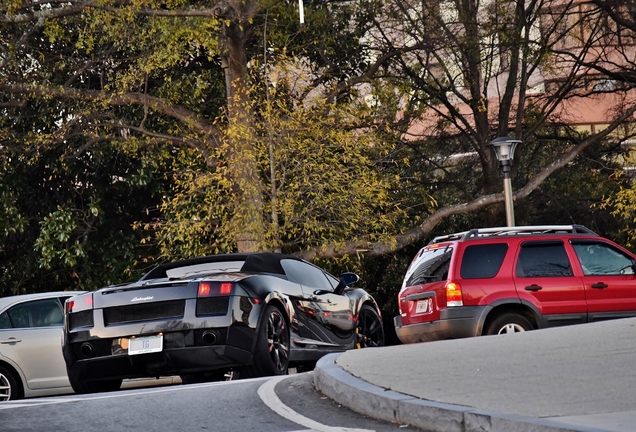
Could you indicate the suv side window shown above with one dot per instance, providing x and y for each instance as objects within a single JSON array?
[
  {"x": 598, "y": 258},
  {"x": 483, "y": 261},
  {"x": 543, "y": 259}
]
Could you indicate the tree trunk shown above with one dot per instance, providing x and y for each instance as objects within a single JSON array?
[{"x": 247, "y": 223}]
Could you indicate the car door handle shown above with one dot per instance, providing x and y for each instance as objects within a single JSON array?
[
  {"x": 599, "y": 285},
  {"x": 534, "y": 287},
  {"x": 10, "y": 341}
]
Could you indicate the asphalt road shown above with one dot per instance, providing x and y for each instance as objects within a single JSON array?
[{"x": 280, "y": 404}]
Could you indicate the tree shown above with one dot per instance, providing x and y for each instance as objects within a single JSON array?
[
  {"x": 479, "y": 71},
  {"x": 66, "y": 220},
  {"x": 461, "y": 72},
  {"x": 618, "y": 69}
]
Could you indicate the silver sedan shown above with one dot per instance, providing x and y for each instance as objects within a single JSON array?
[{"x": 31, "y": 362}]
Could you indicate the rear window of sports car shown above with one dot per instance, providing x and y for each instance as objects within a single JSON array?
[{"x": 212, "y": 267}]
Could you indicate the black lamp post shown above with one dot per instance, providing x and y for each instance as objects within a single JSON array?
[{"x": 504, "y": 148}]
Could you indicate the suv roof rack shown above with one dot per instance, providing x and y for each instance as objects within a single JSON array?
[{"x": 500, "y": 231}]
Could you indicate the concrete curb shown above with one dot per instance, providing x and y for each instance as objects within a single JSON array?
[{"x": 373, "y": 401}]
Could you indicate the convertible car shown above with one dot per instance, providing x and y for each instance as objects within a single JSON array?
[{"x": 207, "y": 318}]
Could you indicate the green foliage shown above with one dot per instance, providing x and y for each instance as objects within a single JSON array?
[
  {"x": 320, "y": 180},
  {"x": 120, "y": 147},
  {"x": 11, "y": 221},
  {"x": 72, "y": 211},
  {"x": 621, "y": 201},
  {"x": 54, "y": 242}
]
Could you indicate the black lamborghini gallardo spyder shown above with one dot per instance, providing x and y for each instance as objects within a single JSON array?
[{"x": 212, "y": 317}]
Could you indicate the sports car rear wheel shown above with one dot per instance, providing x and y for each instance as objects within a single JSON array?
[
  {"x": 369, "y": 331},
  {"x": 272, "y": 346}
]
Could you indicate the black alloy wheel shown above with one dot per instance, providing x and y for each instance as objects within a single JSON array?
[
  {"x": 272, "y": 347},
  {"x": 369, "y": 331}
]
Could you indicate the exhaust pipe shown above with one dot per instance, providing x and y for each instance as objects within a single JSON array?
[
  {"x": 210, "y": 337},
  {"x": 87, "y": 349}
]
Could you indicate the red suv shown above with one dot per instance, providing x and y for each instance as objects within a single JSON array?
[{"x": 503, "y": 280}]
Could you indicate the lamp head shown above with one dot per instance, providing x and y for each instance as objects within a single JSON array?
[{"x": 504, "y": 148}]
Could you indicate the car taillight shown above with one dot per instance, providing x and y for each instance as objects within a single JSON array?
[
  {"x": 79, "y": 303},
  {"x": 454, "y": 294},
  {"x": 207, "y": 289}
]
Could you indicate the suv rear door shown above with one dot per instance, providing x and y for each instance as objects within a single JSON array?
[{"x": 544, "y": 277}]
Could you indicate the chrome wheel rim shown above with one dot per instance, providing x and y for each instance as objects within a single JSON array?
[
  {"x": 511, "y": 328},
  {"x": 5, "y": 388}
]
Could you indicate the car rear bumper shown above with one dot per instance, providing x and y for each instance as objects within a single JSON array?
[
  {"x": 454, "y": 323},
  {"x": 188, "y": 351},
  {"x": 174, "y": 361}
]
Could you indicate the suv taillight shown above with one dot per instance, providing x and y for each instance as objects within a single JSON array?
[{"x": 453, "y": 295}]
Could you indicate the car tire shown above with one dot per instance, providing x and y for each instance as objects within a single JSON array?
[
  {"x": 369, "y": 331},
  {"x": 9, "y": 388},
  {"x": 508, "y": 323},
  {"x": 82, "y": 387},
  {"x": 271, "y": 356}
]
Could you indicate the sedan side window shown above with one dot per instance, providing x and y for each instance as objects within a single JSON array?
[
  {"x": 602, "y": 259},
  {"x": 37, "y": 313},
  {"x": 4, "y": 321}
]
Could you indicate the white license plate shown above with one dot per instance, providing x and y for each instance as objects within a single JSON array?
[
  {"x": 423, "y": 306},
  {"x": 145, "y": 344}
]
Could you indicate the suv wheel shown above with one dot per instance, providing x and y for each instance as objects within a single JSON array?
[{"x": 508, "y": 323}]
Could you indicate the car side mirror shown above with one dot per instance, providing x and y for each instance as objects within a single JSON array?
[{"x": 346, "y": 279}]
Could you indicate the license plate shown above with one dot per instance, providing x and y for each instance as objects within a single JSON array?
[
  {"x": 145, "y": 344},
  {"x": 423, "y": 306}
]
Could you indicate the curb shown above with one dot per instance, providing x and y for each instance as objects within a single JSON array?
[{"x": 388, "y": 405}]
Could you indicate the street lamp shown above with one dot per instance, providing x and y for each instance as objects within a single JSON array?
[{"x": 504, "y": 148}]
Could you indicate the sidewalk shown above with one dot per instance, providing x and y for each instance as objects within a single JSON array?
[{"x": 575, "y": 378}]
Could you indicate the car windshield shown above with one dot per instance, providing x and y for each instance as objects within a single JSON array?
[{"x": 431, "y": 265}]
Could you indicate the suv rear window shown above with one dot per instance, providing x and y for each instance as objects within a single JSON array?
[
  {"x": 483, "y": 261},
  {"x": 543, "y": 259},
  {"x": 430, "y": 266}
]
